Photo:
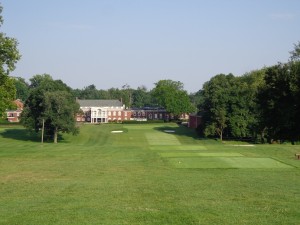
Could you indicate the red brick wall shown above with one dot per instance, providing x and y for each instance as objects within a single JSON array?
[{"x": 194, "y": 121}]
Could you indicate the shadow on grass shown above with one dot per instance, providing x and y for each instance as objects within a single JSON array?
[
  {"x": 20, "y": 134},
  {"x": 179, "y": 130}
]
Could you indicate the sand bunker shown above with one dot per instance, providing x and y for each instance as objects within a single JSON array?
[
  {"x": 169, "y": 131},
  {"x": 117, "y": 131}
]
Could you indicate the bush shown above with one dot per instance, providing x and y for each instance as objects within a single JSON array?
[{"x": 6, "y": 122}]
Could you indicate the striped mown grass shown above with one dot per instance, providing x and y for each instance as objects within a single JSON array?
[
  {"x": 227, "y": 162},
  {"x": 127, "y": 178},
  {"x": 162, "y": 139},
  {"x": 177, "y": 147},
  {"x": 199, "y": 154}
]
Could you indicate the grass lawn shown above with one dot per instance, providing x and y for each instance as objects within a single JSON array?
[{"x": 145, "y": 175}]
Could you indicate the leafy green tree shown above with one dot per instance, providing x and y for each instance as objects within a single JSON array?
[
  {"x": 216, "y": 96},
  {"x": 7, "y": 93},
  {"x": 141, "y": 97},
  {"x": 130, "y": 97},
  {"x": 50, "y": 105},
  {"x": 22, "y": 88},
  {"x": 38, "y": 79},
  {"x": 295, "y": 54},
  {"x": 295, "y": 87},
  {"x": 60, "y": 112},
  {"x": 115, "y": 93},
  {"x": 126, "y": 94},
  {"x": 9, "y": 56},
  {"x": 89, "y": 92},
  {"x": 279, "y": 101},
  {"x": 103, "y": 94},
  {"x": 243, "y": 111},
  {"x": 196, "y": 98},
  {"x": 171, "y": 95},
  {"x": 229, "y": 105}
]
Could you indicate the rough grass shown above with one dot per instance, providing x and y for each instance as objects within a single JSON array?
[{"x": 103, "y": 178}]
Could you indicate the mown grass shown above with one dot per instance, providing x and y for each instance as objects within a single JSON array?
[{"x": 130, "y": 178}]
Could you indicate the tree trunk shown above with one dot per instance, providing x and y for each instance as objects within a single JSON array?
[
  {"x": 55, "y": 135},
  {"x": 221, "y": 136},
  {"x": 43, "y": 128}
]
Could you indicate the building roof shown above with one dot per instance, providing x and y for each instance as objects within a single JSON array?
[
  {"x": 99, "y": 103},
  {"x": 19, "y": 104}
]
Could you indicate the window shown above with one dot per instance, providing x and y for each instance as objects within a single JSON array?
[
  {"x": 114, "y": 113},
  {"x": 119, "y": 113}
]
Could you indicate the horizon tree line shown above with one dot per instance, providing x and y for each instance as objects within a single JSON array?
[{"x": 262, "y": 104}]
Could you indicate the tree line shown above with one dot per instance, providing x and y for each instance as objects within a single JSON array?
[
  {"x": 161, "y": 95},
  {"x": 51, "y": 105},
  {"x": 262, "y": 105}
]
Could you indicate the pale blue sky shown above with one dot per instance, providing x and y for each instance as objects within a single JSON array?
[{"x": 110, "y": 43}]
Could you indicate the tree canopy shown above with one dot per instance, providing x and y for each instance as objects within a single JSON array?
[
  {"x": 263, "y": 103},
  {"x": 9, "y": 56},
  {"x": 171, "y": 95},
  {"x": 22, "y": 88},
  {"x": 279, "y": 102},
  {"x": 229, "y": 105},
  {"x": 50, "y": 105}
]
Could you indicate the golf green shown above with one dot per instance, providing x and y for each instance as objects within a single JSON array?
[{"x": 227, "y": 162}]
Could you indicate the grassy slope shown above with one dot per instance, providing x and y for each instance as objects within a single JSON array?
[{"x": 103, "y": 178}]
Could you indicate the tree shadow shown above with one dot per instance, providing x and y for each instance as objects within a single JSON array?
[
  {"x": 20, "y": 134},
  {"x": 179, "y": 130}
]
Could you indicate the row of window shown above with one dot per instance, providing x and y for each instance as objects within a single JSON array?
[{"x": 100, "y": 113}]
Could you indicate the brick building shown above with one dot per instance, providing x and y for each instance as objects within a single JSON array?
[
  {"x": 14, "y": 115},
  {"x": 102, "y": 111}
]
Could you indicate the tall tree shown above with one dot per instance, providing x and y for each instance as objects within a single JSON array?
[
  {"x": 171, "y": 95},
  {"x": 9, "y": 55},
  {"x": 279, "y": 101},
  {"x": 229, "y": 105},
  {"x": 89, "y": 92},
  {"x": 141, "y": 97},
  {"x": 22, "y": 88},
  {"x": 50, "y": 103},
  {"x": 216, "y": 95},
  {"x": 127, "y": 95},
  {"x": 295, "y": 54},
  {"x": 60, "y": 112}
]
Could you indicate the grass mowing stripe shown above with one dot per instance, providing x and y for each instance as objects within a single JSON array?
[
  {"x": 159, "y": 138},
  {"x": 254, "y": 163},
  {"x": 177, "y": 147},
  {"x": 228, "y": 162},
  {"x": 102, "y": 178},
  {"x": 199, "y": 154}
]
